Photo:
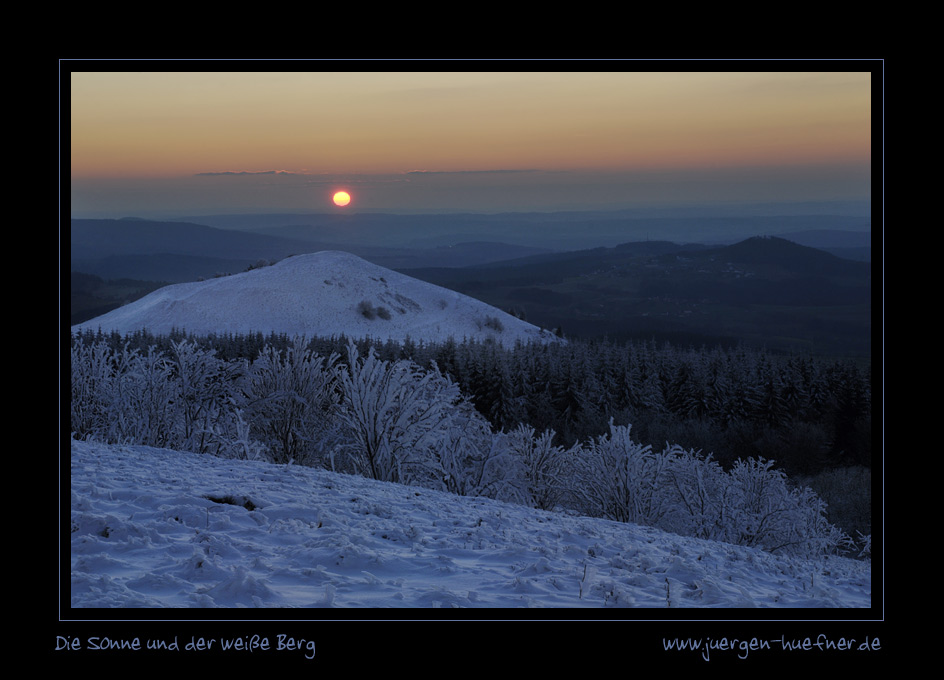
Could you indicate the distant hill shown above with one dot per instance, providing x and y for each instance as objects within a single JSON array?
[
  {"x": 780, "y": 252},
  {"x": 590, "y": 259},
  {"x": 764, "y": 291},
  {"x": 323, "y": 294},
  {"x": 560, "y": 231}
]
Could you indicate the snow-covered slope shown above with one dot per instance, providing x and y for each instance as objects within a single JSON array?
[
  {"x": 325, "y": 294},
  {"x": 159, "y": 528}
]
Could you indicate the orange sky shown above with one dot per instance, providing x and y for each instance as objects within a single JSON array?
[
  {"x": 198, "y": 143},
  {"x": 167, "y": 124}
]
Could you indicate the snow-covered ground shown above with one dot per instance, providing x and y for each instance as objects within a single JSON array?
[
  {"x": 160, "y": 528},
  {"x": 324, "y": 294}
]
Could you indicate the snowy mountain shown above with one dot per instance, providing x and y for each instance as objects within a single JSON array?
[
  {"x": 160, "y": 528},
  {"x": 324, "y": 294}
]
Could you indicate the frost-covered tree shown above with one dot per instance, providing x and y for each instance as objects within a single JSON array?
[
  {"x": 239, "y": 443},
  {"x": 752, "y": 504},
  {"x": 205, "y": 390},
  {"x": 291, "y": 399},
  {"x": 92, "y": 370},
  {"x": 697, "y": 487},
  {"x": 764, "y": 510},
  {"x": 182, "y": 398},
  {"x": 394, "y": 416},
  {"x": 537, "y": 468},
  {"x": 619, "y": 479},
  {"x": 145, "y": 402},
  {"x": 467, "y": 458},
  {"x": 122, "y": 395}
]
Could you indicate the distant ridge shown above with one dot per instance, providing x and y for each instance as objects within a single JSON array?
[
  {"x": 772, "y": 250},
  {"x": 324, "y": 294},
  {"x": 574, "y": 230}
]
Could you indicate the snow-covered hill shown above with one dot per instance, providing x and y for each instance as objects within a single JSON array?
[
  {"x": 325, "y": 294},
  {"x": 160, "y": 528}
]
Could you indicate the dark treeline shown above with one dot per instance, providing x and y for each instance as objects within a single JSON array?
[{"x": 809, "y": 415}]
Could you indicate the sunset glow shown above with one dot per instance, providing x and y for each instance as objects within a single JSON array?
[
  {"x": 342, "y": 198},
  {"x": 228, "y": 136}
]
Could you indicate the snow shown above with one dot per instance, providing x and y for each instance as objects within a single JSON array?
[
  {"x": 157, "y": 528},
  {"x": 319, "y": 294}
]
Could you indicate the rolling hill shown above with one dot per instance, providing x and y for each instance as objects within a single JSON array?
[{"x": 326, "y": 294}]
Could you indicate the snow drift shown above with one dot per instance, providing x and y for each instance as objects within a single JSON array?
[{"x": 324, "y": 294}]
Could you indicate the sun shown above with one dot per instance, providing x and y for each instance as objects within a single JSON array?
[{"x": 342, "y": 198}]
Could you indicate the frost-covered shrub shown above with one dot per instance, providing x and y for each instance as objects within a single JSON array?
[
  {"x": 291, "y": 400},
  {"x": 394, "y": 416},
  {"x": 619, "y": 479},
  {"x": 762, "y": 509},
  {"x": 536, "y": 469},
  {"x": 240, "y": 444},
  {"x": 182, "y": 399},
  {"x": 697, "y": 486},
  {"x": 145, "y": 403},
  {"x": 205, "y": 394},
  {"x": 468, "y": 457},
  {"x": 93, "y": 370},
  {"x": 752, "y": 504},
  {"x": 121, "y": 395}
]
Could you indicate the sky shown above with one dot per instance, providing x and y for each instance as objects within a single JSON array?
[{"x": 155, "y": 143}]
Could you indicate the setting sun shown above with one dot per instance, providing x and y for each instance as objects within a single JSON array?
[{"x": 342, "y": 198}]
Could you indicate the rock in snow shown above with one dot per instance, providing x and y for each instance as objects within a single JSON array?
[{"x": 325, "y": 294}]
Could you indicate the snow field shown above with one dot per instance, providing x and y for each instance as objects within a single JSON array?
[{"x": 145, "y": 533}]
